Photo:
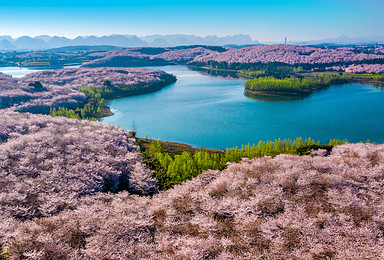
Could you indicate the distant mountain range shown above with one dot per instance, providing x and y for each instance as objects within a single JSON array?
[
  {"x": 47, "y": 42},
  {"x": 43, "y": 42}
]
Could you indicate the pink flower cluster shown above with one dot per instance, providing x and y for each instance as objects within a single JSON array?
[
  {"x": 337, "y": 68},
  {"x": 379, "y": 50},
  {"x": 290, "y": 54},
  {"x": 366, "y": 68},
  {"x": 287, "y": 207}
]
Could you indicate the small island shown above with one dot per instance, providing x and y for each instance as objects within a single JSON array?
[
  {"x": 303, "y": 84},
  {"x": 291, "y": 86}
]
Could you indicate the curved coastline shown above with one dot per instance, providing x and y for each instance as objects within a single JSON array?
[
  {"x": 213, "y": 112},
  {"x": 138, "y": 90}
]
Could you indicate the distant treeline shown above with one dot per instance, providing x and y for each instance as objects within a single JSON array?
[
  {"x": 125, "y": 61},
  {"x": 275, "y": 69},
  {"x": 171, "y": 168},
  {"x": 43, "y": 59},
  {"x": 278, "y": 69},
  {"x": 96, "y": 106},
  {"x": 159, "y": 50}
]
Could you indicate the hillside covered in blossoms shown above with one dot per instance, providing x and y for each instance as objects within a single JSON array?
[
  {"x": 41, "y": 155},
  {"x": 86, "y": 77},
  {"x": 70, "y": 189},
  {"x": 289, "y": 54},
  {"x": 202, "y": 55},
  {"x": 40, "y": 91},
  {"x": 367, "y": 68},
  {"x": 151, "y": 56}
]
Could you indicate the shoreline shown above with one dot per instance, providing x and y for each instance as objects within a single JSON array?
[
  {"x": 359, "y": 76},
  {"x": 96, "y": 108},
  {"x": 278, "y": 96}
]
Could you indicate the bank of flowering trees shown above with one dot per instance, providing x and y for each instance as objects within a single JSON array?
[
  {"x": 65, "y": 90},
  {"x": 285, "y": 207},
  {"x": 96, "y": 107},
  {"x": 136, "y": 57},
  {"x": 47, "y": 164},
  {"x": 84, "y": 77},
  {"x": 184, "y": 55},
  {"x": 288, "y": 54},
  {"x": 366, "y": 68},
  {"x": 23, "y": 96}
]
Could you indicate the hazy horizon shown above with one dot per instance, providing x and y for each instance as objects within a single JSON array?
[
  {"x": 280, "y": 41},
  {"x": 264, "y": 21}
]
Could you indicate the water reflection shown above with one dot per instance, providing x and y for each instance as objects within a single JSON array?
[
  {"x": 216, "y": 73},
  {"x": 378, "y": 87},
  {"x": 230, "y": 75},
  {"x": 19, "y": 72},
  {"x": 271, "y": 98}
]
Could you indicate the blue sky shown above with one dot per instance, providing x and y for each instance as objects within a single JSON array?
[{"x": 267, "y": 20}]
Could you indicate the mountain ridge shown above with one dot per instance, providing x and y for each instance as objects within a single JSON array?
[{"x": 42, "y": 42}]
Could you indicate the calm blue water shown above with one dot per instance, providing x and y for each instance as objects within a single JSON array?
[
  {"x": 213, "y": 112},
  {"x": 19, "y": 72}
]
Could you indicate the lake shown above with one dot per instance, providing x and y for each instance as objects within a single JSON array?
[
  {"x": 212, "y": 112},
  {"x": 19, "y": 72}
]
